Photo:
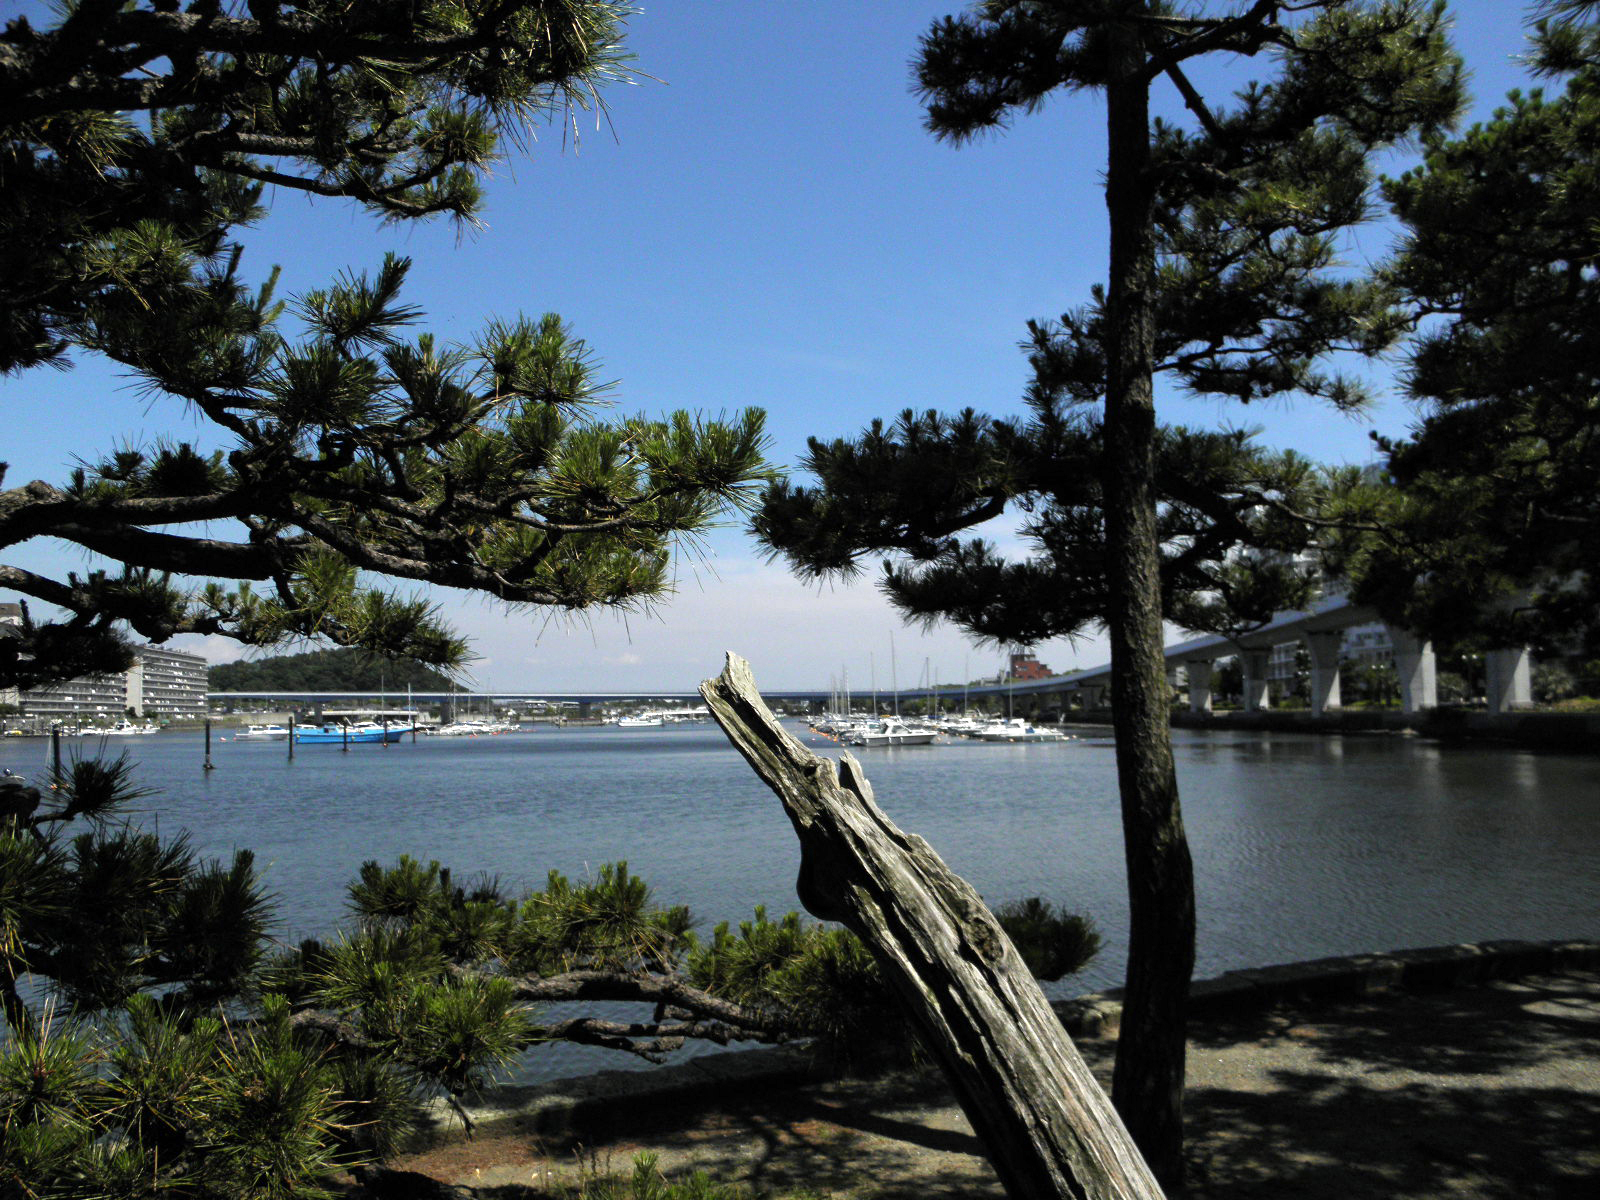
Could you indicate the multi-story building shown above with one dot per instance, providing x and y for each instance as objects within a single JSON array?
[
  {"x": 1025, "y": 666},
  {"x": 1363, "y": 645},
  {"x": 167, "y": 683},
  {"x": 90, "y": 697},
  {"x": 161, "y": 685}
]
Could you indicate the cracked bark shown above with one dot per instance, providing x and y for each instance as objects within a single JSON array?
[{"x": 1049, "y": 1129}]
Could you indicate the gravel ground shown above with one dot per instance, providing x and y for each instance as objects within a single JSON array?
[{"x": 1488, "y": 1093}]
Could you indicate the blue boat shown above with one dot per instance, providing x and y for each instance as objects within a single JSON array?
[{"x": 362, "y": 731}]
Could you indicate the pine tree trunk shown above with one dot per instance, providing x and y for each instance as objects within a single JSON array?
[
  {"x": 1147, "y": 1083},
  {"x": 1049, "y": 1129}
]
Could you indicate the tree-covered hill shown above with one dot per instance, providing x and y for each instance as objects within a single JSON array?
[{"x": 324, "y": 670}]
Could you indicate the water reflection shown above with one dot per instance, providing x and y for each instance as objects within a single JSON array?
[{"x": 1303, "y": 845}]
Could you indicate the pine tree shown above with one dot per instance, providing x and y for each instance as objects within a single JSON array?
[
  {"x": 1490, "y": 524},
  {"x": 135, "y": 141},
  {"x": 1222, "y": 276},
  {"x": 160, "y": 1044}
]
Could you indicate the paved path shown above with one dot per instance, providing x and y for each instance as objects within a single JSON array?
[{"x": 1489, "y": 1092}]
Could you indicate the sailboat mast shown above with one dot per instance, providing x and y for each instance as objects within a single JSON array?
[{"x": 894, "y": 674}]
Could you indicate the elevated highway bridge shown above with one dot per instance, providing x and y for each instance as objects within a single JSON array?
[{"x": 1320, "y": 628}]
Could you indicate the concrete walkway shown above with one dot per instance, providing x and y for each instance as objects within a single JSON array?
[{"x": 1488, "y": 1090}]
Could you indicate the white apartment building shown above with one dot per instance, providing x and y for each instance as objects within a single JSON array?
[
  {"x": 161, "y": 685},
  {"x": 167, "y": 683}
]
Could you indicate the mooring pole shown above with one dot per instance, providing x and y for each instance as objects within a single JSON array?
[
  {"x": 209, "y": 765},
  {"x": 294, "y": 719}
]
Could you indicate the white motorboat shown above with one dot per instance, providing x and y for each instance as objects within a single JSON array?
[
  {"x": 969, "y": 725},
  {"x": 891, "y": 731},
  {"x": 1018, "y": 730},
  {"x": 262, "y": 733}
]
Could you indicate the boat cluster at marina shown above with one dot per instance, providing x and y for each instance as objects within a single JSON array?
[
  {"x": 120, "y": 729},
  {"x": 891, "y": 730},
  {"x": 371, "y": 731},
  {"x": 656, "y": 718}
]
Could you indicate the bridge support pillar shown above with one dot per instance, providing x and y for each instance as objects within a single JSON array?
[
  {"x": 1509, "y": 678},
  {"x": 1254, "y": 668},
  {"x": 1324, "y": 650},
  {"x": 1418, "y": 671},
  {"x": 1199, "y": 672}
]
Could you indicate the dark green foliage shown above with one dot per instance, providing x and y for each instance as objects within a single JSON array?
[
  {"x": 1054, "y": 944},
  {"x": 1492, "y": 524},
  {"x": 134, "y": 142},
  {"x": 324, "y": 670},
  {"x": 399, "y": 107},
  {"x": 647, "y": 1182},
  {"x": 1227, "y": 524},
  {"x": 345, "y": 461},
  {"x": 113, "y": 911},
  {"x": 1223, "y": 278},
  {"x": 1247, "y": 299},
  {"x": 195, "y": 1065},
  {"x": 823, "y": 976}
]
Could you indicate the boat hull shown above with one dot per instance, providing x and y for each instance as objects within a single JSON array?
[
  {"x": 309, "y": 737},
  {"x": 256, "y": 733}
]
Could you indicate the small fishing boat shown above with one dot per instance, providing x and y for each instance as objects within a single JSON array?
[
  {"x": 360, "y": 731},
  {"x": 644, "y": 722}
]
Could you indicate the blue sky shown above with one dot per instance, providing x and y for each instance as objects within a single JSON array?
[{"x": 762, "y": 222}]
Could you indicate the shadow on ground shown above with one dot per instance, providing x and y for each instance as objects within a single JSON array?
[{"x": 1484, "y": 1093}]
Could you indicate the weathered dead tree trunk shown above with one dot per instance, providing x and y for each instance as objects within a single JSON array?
[{"x": 1049, "y": 1128}]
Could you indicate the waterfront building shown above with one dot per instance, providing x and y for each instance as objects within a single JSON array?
[
  {"x": 1024, "y": 666},
  {"x": 88, "y": 697},
  {"x": 166, "y": 684},
  {"x": 161, "y": 685}
]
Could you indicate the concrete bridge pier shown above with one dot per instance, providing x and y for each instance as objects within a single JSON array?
[
  {"x": 1199, "y": 672},
  {"x": 1418, "y": 670},
  {"x": 1508, "y": 677},
  {"x": 1253, "y": 664},
  {"x": 1324, "y": 647}
]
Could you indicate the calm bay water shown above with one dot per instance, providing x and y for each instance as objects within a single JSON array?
[{"x": 1304, "y": 846}]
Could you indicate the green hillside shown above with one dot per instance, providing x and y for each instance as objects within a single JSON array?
[{"x": 325, "y": 671}]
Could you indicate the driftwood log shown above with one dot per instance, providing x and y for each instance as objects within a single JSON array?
[{"x": 1049, "y": 1129}]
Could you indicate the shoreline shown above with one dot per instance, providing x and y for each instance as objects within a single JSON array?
[
  {"x": 1460, "y": 1078},
  {"x": 1565, "y": 732},
  {"x": 555, "y": 1108}
]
